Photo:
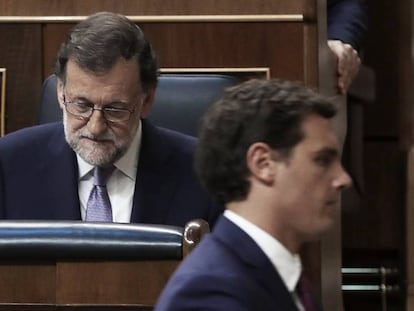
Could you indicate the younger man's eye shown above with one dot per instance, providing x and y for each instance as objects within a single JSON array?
[{"x": 323, "y": 160}]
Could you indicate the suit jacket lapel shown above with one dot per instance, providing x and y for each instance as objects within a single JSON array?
[
  {"x": 153, "y": 185},
  {"x": 261, "y": 267}
]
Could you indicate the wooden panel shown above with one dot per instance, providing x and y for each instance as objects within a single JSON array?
[
  {"x": 21, "y": 56},
  {"x": 153, "y": 7},
  {"x": 382, "y": 116},
  {"x": 231, "y": 45},
  {"x": 374, "y": 233},
  {"x": 3, "y": 77},
  {"x": 52, "y": 37},
  {"x": 116, "y": 285},
  {"x": 410, "y": 299},
  {"x": 406, "y": 71},
  {"x": 46, "y": 307},
  {"x": 43, "y": 307},
  {"x": 217, "y": 45},
  {"x": 27, "y": 283},
  {"x": 111, "y": 282},
  {"x": 379, "y": 220},
  {"x": 26, "y": 307},
  {"x": 410, "y": 232}
]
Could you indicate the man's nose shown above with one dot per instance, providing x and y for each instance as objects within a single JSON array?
[
  {"x": 343, "y": 180},
  {"x": 97, "y": 123}
]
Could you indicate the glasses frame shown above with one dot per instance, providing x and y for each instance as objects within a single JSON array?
[{"x": 92, "y": 109}]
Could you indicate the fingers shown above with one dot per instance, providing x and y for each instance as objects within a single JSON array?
[{"x": 348, "y": 63}]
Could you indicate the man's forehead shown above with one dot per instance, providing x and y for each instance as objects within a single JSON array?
[
  {"x": 123, "y": 72},
  {"x": 319, "y": 132},
  {"x": 121, "y": 63}
]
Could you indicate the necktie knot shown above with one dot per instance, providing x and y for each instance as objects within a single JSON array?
[{"x": 102, "y": 174}]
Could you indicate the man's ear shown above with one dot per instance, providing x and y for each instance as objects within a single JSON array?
[
  {"x": 147, "y": 102},
  {"x": 261, "y": 162},
  {"x": 59, "y": 92}
]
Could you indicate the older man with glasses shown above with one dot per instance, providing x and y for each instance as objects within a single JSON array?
[{"x": 106, "y": 162}]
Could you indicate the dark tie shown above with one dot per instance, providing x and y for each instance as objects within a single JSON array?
[
  {"x": 304, "y": 291},
  {"x": 98, "y": 207}
]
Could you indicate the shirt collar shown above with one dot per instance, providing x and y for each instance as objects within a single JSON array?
[
  {"x": 288, "y": 265},
  {"x": 127, "y": 164}
]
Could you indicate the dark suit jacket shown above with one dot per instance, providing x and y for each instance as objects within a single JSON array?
[
  {"x": 347, "y": 21},
  {"x": 226, "y": 271},
  {"x": 39, "y": 178}
]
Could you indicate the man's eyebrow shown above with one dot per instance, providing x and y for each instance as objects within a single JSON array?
[
  {"x": 76, "y": 97},
  {"x": 329, "y": 151},
  {"x": 82, "y": 98}
]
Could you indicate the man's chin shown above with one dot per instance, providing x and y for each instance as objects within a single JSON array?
[
  {"x": 97, "y": 154},
  {"x": 97, "y": 157},
  {"x": 325, "y": 227}
]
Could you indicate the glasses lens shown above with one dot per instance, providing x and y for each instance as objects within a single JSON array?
[
  {"x": 85, "y": 112},
  {"x": 116, "y": 115},
  {"x": 78, "y": 109}
]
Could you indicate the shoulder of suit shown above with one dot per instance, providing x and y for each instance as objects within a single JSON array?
[{"x": 32, "y": 134}]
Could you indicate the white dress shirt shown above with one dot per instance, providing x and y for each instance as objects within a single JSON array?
[
  {"x": 288, "y": 265},
  {"x": 121, "y": 184}
]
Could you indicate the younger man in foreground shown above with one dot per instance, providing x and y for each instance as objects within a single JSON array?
[{"x": 268, "y": 151}]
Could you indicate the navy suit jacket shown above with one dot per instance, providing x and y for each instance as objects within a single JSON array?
[
  {"x": 347, "y": 21},
  {"x": 226, "y": 271},
  {"x": 39, "y": 178}
]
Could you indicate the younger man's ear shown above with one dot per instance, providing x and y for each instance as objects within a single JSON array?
[{"x": 261, "y": 163}]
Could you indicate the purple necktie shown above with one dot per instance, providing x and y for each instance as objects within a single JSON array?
[
  {"x": 98, "y": 207},
  {"x": 304, "y": 291}
]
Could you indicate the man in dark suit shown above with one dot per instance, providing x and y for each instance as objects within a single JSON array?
[
  {"x": 267, "y": 150},
  {"x": 107, "y": 76},
  {"x": 347, "y": 26}
]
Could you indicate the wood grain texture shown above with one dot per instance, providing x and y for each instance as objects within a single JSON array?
[
  {"x": 410, "y": 232},
  {"x": 21, "y": 55},
  {"x": 23, "y": 282},
  {"x": 86, "y": 285},
  {"x": 52, "y": 307},
  {"x": 378, "y": 220},
  {"x": 216, "y": 45},
  {"x": 114, "y": 282},
  {"x": 154, "y": 7}
]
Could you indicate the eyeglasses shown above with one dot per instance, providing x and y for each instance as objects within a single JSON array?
[{"x": 84, "y": 112}]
